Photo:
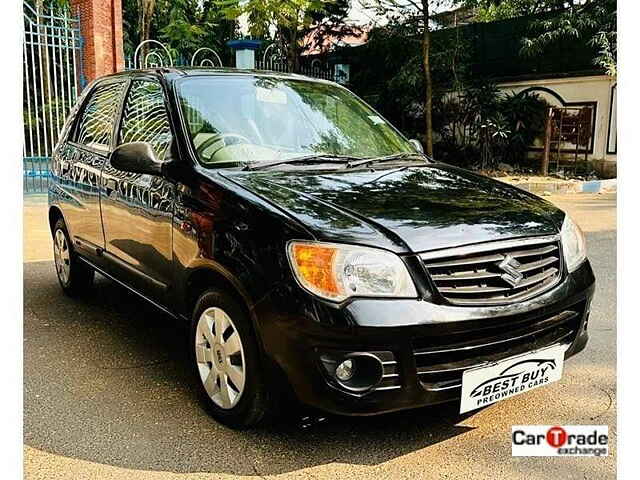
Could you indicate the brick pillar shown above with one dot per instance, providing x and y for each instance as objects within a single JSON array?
[{"x": 101, "y": 27}]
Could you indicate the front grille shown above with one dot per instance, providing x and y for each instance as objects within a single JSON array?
[
  {"x": 441, "y": 361},
  {"x": 496, "y": 273}
]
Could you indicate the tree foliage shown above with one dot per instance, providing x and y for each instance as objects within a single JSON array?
[
  {"x": 183, "y": 25},
  {"x": 474, "y": 124},
  {"x": 48, "y": 3},
  {"x": 491, "y": 10},
  {"x": 593, "y": 20},
  {"x": 329, "y": 22},
  {"x": 416, "y": 15},
  {"x": 288, "y": 22},
  {"x": 262, "y": 15}
]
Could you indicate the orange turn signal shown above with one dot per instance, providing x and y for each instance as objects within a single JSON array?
[{"x": 315, "y": 267}]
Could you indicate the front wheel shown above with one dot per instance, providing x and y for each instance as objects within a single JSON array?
[
  {"x": 226, "y": 361},
  {"x": 73, "y": 275}
]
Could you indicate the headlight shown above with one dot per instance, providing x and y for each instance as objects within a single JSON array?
[
  {"x": 574, "y": 246},
  {"x": 337, "y": 272}
]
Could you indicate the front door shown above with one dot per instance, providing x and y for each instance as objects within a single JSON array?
[{"x": 137, "y": 209}]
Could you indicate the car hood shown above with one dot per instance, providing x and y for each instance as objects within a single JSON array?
[{"x": 408, "y": 208}]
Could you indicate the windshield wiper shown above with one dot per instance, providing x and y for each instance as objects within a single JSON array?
[
  {"x": 388, "y": 158},
  {"x": 311, "y": 158},
  {"x": 349, "y": 161}
]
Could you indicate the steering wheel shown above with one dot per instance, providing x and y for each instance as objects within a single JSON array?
[{"x": 216, "y": 138}]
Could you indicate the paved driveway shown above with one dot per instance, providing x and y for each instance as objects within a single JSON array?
[{"x": 107, "y": 395}]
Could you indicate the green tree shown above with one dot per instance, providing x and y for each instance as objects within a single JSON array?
[
  {"x": 145, "y": 14},
  {"x": 289, "y": 18},
  {"x": 137, "y": 16},
  {"x": 417, "y": 15},
  {"x": 594, "y": 20},
  {"x": 130, "y": 31},
  {"x": 183, "y": 25},
  {"x": 193, "y": 24},
  {"x": 491, "y": 10},
  {"x": 329, "y": 22}
]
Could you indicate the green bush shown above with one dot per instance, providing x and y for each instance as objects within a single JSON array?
[
  {"x": 525, "y": 115},
  {"x": 480, "y": 126}
]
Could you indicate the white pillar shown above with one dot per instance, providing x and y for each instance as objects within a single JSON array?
[
  {"x": 245, "y": 52},
  {"x": 245, "y": 58}
]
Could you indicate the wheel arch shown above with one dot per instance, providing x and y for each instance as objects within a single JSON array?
[
  {"x": 205, "y": 278},
  {"x": 54, "y": 215}
]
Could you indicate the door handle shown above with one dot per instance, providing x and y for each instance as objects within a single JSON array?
[
  {"x": 110, "y": 186},
  {"x": 241, "y": 226}
]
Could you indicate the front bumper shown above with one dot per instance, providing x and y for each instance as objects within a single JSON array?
[{"x": 409, "y": 336}]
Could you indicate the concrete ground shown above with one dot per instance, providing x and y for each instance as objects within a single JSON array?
[{"x": 107, "y": 395}]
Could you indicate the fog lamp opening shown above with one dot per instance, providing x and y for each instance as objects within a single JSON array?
[{"x": 356, "y": 372}]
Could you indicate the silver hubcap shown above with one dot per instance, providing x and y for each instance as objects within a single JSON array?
[
  {"x": 61, "y": 256},
  {"x": 220, "y": 357}
]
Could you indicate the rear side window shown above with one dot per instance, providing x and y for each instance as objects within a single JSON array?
[
  {"x": 145, "y": 118},
  {"x": 96, "y": 125}
]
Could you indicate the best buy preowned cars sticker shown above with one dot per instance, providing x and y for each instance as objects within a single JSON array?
[{"x": 488, "y": 384}]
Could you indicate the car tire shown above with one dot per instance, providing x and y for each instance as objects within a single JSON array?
[
  {"x": 223, "y": 350},
  {"x": 75, "y": 277}
]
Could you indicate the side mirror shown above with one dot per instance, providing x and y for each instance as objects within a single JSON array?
[
  {"x": 136, "y": 157},
  {"x": 417, "y": 145}
]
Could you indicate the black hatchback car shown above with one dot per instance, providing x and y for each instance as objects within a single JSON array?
[{"x": 314, "y": 250}]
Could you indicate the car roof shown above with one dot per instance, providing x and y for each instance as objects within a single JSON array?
[{"x": 174, "y": 73}]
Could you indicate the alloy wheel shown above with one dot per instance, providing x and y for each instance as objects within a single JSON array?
[
  {"x": 220, "y": 357},
  {"x": 62, "y": 256}
]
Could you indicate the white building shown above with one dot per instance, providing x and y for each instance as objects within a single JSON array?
[{"x": 598, "y": 91}]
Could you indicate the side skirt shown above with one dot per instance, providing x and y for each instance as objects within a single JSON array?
[{"x": 133, "y": 290}]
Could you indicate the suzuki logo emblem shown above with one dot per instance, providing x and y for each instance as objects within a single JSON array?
[{"x": 510, "y": 266}]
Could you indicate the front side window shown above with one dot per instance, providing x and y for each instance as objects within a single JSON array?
[
  {"x": 145, "y": 118},
  {"x": 96, "y": 124},
  {"x": 252, "y": 119}
]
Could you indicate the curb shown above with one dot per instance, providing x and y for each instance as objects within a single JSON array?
[
  {"x": 600, "y": 186},
  {"x": 549, "y": 188}
]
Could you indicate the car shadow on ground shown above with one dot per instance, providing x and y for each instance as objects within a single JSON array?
[{"x": 106, "y": 379}]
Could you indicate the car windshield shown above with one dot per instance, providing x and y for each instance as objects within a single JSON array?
[{"x": 257, "y": 119}]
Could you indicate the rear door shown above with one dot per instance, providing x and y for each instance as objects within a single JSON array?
[
  {"x": 137, "y": 209},
  {"x": 78, "y": 162}
]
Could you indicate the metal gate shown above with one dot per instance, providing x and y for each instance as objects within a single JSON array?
[
  {"x": 156, "y": 54},
  {"x": 51, "y": 82}
]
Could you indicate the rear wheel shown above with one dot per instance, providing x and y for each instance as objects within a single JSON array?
[
  {"x": 227, "y": 363},
  {"x": 74, "y": 276}
]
